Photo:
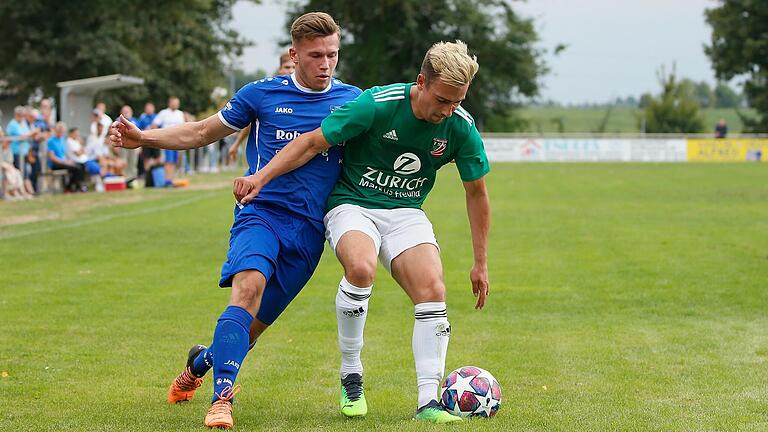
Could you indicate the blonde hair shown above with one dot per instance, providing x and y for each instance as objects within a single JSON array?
[
  {"x": 312, "y": 25},
  {"x": 451, "y": 63}
]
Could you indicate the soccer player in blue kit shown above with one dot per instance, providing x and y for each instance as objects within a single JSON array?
[{"x": 276, "y": 240}]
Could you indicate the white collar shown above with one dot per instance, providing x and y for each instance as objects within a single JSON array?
[{"x": 309, "y": 90}]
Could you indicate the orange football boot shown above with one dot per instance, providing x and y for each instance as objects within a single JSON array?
[
  {"x": 220, "y": 413},
  {"x": 184, "y": 386}
]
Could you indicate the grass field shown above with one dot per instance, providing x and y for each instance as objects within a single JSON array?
[
  {"x": 621, "y": 120},
  {"x": 624, "y": 297}
]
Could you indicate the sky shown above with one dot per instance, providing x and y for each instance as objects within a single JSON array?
[{"x": 614, "y": 47}]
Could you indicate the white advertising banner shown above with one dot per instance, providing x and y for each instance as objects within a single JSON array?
[{"x": 585, "y": 150}]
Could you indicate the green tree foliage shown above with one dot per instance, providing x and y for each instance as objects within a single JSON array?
[
  {"x": 676, "y": 110},
  {"x": 740, "y": 48},
  {"x": 177, "y": 47},
  {"x": 704, "y": 94},
  {"x": 385, "y": 41},
  {"x": 726, "y": 97}
]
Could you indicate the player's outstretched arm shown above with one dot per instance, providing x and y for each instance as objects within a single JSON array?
[
  {"x": 295, "y": 154},
  {"x": 479, "y": 212},
  {"x": 123, "y": 133}
]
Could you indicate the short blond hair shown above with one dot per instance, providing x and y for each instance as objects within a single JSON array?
[
  {"x": 450, "y": 62},
  {"x": 312, "y": 25}
]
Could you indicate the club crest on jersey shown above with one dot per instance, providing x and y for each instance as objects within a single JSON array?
[{"x": 438, "y": 147}]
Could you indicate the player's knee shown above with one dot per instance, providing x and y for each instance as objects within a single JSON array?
[
  {"x": 434, "y": 290},
  {"x": 360, "y": 272},
  {"x": 248, "y": 289}
]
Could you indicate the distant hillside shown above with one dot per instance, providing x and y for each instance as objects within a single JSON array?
[{"x": 620, "y": 119}]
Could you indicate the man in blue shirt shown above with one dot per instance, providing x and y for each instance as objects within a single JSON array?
[
  {"x": 57, "y": 158},
  {"x": 276, "y": 240}
]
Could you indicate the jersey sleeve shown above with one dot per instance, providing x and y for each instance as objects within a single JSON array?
[
  {"x": 350, "y": 120},
  {"x": 471, "y": 159},
  {"x": 240, "y": 111}
]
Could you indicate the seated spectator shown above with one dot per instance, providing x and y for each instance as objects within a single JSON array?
[
  {"x": 110, "y": 162},
  {"x": 98, "y": 115},
  {"x": 75, "y": 150},
  {"x": 57, "y": 159}
]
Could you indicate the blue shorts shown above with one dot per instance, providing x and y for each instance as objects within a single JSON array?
[
  {"x": 171, "y": 156},
  {"x": 285, "y": 248}
]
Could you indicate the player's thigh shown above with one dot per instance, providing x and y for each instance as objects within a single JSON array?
[
  {"x": 419, "y": 271},
  {"x": 355, "y": 239},
  {"x": 253, "y": 245},
  {"x": 298, "y": 259}
]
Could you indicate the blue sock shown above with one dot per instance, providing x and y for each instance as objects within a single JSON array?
[
  {"x": 204, "y": 361},
  {"x": 230, "y": 342}
]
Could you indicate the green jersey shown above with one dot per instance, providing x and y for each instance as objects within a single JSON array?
[{"x": 391, "y": 158}]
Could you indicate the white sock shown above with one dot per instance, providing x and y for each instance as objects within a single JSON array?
[
  {"x": 351, "y": 310},
  {"x": 431, "y": 332}
]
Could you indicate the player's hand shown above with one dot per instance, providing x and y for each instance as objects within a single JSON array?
[
  {"x": 480, "y": 284},
  {"x": 246, "y": 188},
  {"x": 123, "y": 133}
]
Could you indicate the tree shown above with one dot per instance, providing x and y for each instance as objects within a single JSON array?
[
  {"x": 704, "y": 94},
  {"x": 739, "y": 48},
  {"x": 676, "y": 110},
  {"x": 726, "y": 97},
  {"x": 177, "y": 47},
  {"x": 385, "y": 41}
]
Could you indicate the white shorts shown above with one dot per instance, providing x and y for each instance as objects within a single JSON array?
[{"x": 393, "y": 231}]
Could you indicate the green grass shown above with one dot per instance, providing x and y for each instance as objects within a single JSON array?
[
  {"x": 624, "y": 297},
  {"x": 621, "y": 120}
]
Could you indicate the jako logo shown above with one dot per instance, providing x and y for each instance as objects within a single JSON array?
[
  {"x": 283, "y": 135},
  {"x": 284, "y": 110},
  {"x": 407, "y": 163}
]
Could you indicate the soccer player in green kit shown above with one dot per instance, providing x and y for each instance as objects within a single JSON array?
[{"x": 396, "y": 137}]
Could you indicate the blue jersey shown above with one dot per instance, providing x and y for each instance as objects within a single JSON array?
[{"x": 279, "y": 109}]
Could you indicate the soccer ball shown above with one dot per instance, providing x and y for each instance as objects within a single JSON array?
[{"x": 470, "y": 391}]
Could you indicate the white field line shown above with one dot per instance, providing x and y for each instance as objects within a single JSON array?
[{"x": 98, "y": 219}]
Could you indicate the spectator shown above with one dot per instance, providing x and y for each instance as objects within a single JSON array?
[
  {"x": 721, "y": 129},
  {"x": 131, "y": 155},
  {"x": 42, "y": 132},
  {"x": 146, "y": 118},
  {"x": 57, "y": 159},
  {"x": 168, "y": 117},
  {"x": 99, "y": 116},
  {"x": 19, "y": 129},
  {"x": 145, "y": 121},
  {"x": 47, "y": 114},
  {"x": 108, "y": 163},
  {"x": 13, "y": 183},
  {"x": 75, "y": 150}
]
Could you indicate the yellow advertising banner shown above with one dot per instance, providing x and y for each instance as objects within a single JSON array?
[{"x": 727, "y": 150}]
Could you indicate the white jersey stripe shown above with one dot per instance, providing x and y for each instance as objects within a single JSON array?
[
  {"x": 389, "y": 98},
  {"x": 464, "y": 116},
  {"x": 227, "y": 124},
  {"x": 391, "y": 90},
  {"x": 390, "y": 93}
]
